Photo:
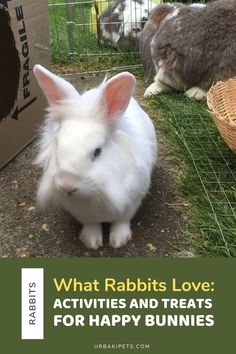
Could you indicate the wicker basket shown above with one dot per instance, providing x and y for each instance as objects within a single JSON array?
[{"x": 221, "y": 100}]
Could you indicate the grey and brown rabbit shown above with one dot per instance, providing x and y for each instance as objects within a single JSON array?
[{"x": 189, "y": 46}]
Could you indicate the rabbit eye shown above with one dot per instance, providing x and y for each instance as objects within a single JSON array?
[{"x": 97, "y": 152}]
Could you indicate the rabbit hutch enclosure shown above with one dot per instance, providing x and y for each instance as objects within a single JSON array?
[{"x": 97, "y": 36}]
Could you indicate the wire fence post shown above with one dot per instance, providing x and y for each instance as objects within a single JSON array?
[{"x": 69, "y": 22}]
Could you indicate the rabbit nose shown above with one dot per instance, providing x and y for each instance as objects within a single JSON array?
[
  {"x": 67, "y": 184},
  {"x": 68, "y": 188}
]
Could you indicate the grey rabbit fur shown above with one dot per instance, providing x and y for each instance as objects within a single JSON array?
[{"x": 189, "y": 46}]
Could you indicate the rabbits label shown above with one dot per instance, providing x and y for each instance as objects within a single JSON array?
[
  {"x": 189, "y": 46},
  {"x": 97, "y": 151}
]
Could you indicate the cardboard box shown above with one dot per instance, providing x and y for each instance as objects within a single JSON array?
[{"x": 24, "y": 41}]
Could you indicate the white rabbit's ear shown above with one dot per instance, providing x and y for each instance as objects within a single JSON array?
[
  {"x": 117, "y": 93},
  {"x": 54, "y": 88}
]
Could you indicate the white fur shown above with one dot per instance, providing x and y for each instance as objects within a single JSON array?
[
  {"x": 162, "y": 77},
  {"x": 196, "y": 92},
  {"x": 162, "y": 83},
  {"x": 198, "y": 5},
  {"x": 111, "y": 36},
  {"x": 117, "y": 10},
  {"x": 109, "y": 188},
  {"x": 91, "y": 236},
  {"x": 120, "y": 234},
  {"x": 155, "y": 88},
  {"x": 172, "y": 14}
]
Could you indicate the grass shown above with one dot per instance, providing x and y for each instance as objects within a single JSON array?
[
  {"x": 207, "y": 180},
  {"x": 76, "y": 43}
]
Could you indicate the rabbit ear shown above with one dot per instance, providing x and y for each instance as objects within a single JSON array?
[
  {"x": 54, "y": 88},
  {"x": 117, "y": 93}
]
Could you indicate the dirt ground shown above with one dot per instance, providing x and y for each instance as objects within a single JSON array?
[{"x": 27, "y": 231}]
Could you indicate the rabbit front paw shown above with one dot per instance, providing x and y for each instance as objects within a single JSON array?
[
  {"x": 155, "y": 88},
  {"x": 196, "y": 92},
  {"x": 120, "y": 234},
  {"x": 91, "y": 236}
]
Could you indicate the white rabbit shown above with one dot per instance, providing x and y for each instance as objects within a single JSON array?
[{"x": 97, "y": 151}]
